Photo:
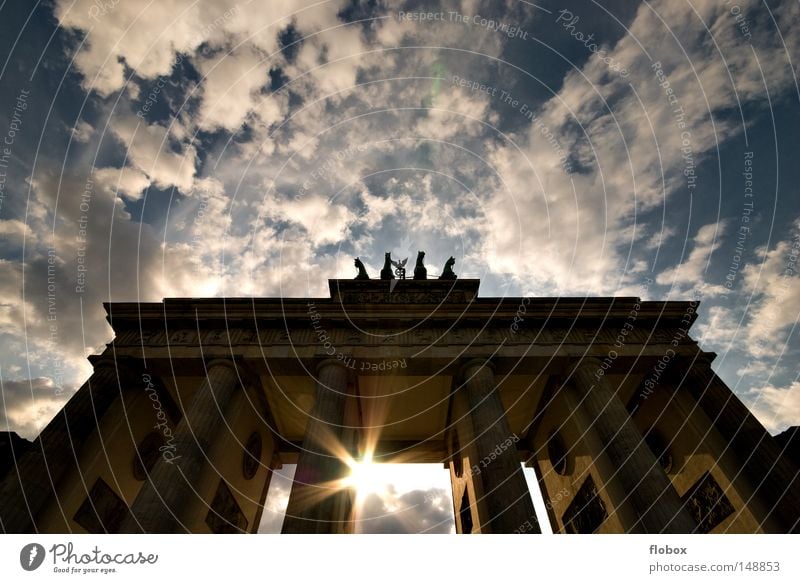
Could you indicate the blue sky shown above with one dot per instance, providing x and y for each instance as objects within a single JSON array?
[{"x": 185, "y": 148}]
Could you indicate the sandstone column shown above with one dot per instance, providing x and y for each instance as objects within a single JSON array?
[
  {"x": 167, "y": 498},
  {"x": 34, "y": 481},
  {"x": 316, "y": 503},
  {"x": 774, "y": 477},
  {"x": 505, "y": 491},
  {"x": 637, "y": 472}
]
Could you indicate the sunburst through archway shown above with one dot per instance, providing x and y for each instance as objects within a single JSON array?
[
  {"x": 366, "y": 477},
  {"x": 399, "y": 497}
]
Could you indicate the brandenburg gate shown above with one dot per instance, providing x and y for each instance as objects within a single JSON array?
[{"x": 196, "y": 402}]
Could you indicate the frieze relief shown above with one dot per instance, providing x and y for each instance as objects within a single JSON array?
[
  {"x": 399, "y": 297},
  {"x": 183, "y": 336},
  {"x": 219, "y": 336},
  {"x": 439, "y": 336},
  {"x": 245, "y": 336}
]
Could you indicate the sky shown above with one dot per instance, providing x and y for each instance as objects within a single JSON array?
[
  {"x": 182, "y": 148},
  {"x": 392, "y": 499}
]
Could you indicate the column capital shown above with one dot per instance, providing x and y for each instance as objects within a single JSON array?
[
  {"x": 125, "y": 366},
  {"x": 105, "y": 362},
  {"x": 225, "y": 370},
  {"x": 590, "y": 361},
  {"x": 472, "y": 363},
  {"x": 221, "y": 362},
  {"x": 587, "y": 362},
  {"x": 330, "y": 362}
]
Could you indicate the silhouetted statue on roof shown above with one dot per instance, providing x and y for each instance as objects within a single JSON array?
[
  {"x": 362, "y": 271},
  {"x": 447, "y": 272},
  {"x": 386, "y": 272},
  {"x": 400, "y": 268},
  {"x": 419, "y": 271}
]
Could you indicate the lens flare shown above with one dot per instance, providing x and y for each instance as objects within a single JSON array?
[{"x": 365, "y": 477}]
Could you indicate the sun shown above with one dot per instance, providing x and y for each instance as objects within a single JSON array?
[{"x": 366, "y": 477}]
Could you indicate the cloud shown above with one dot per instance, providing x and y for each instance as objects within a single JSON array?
[
  {"x": 776, "y": 407},
  {"x": 760, "y": 328},
  {"x": 775, "y": 284},
  {"x": 231, "y": 88},
  {"x": 636, "y": 146},
  {"x": 719, "y": 328},
  {"x": 692, "y": 272},
  {"x": 556, "y": 193},
  {"x": 323, "y": 222},
  {"x": 280, "y": 487},
  {"x": 400, "y": 507},
  {"x": 128, "y": 182},
  {"x": 27, "y": 406},
  {"x": 51, "y": 319},
  {"x": 82, "y": 131},
  {"x": 143, "y": 38},
  {"x": 456, "y": 113},
  {"x": 414, "y": 512},
  {"x": 151, "y": 151},
  {"x": 12, "y": 234},
  {"x": 331, "y": 59}
]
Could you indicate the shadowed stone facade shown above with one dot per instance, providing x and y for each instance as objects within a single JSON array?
[{"x": 197, "y": 401}]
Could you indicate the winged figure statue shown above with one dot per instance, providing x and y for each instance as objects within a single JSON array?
[{"x": 400, "y": 268}]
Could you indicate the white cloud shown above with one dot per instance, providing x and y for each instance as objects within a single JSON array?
[
  {"x": 692, "y": 272},
  {"x": 82, "y": 132},
  {"x": 128, "y": 182},
  {"x": 231, "y": 86},
  {"x": 408, "y": 498},
  {"x": 629, "y": 145},
  {"x": 27, "y": 406},
  {"x": 456, "y": 113},
  {"x": 776, "y": 408},
  {"x": 760, "y": 326},
  {"x": 775, "y": 283},
  {"x": 516, "y": 212},
  {"x": 150, "y": 151},
  {"x": 405, "y": 498},
  {"x": 11, "y": 307},
  {"x": 144, "y": 37},
  {"x": 506, "y": 205},
  {"x": 331, "y": 59},
  {"x": 415, "y": 512},
  {"x": 719, "y": 328},
  {"x": 12, "y": 233},
  {"x": 323, "y": 222}
]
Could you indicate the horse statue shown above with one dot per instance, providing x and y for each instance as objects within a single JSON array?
[
  {"x": 362, "y": 271},
  {"x": 419, "y": 271},
  {"x": 386, "y": 272},
  {"x": 447, "y": 272}
]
